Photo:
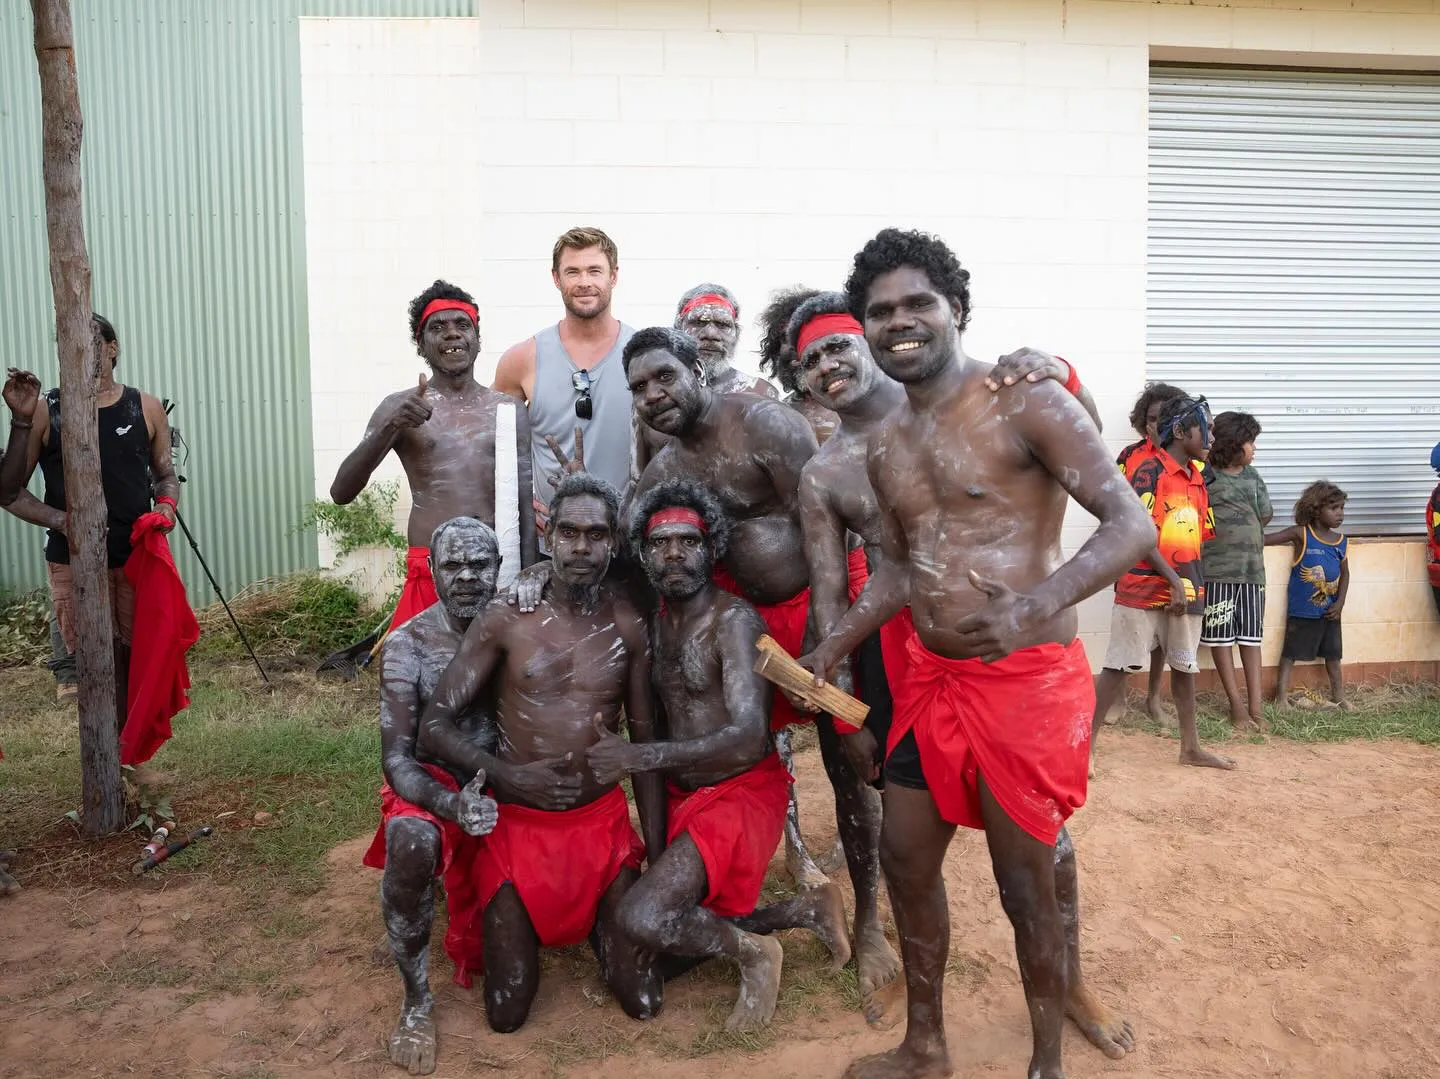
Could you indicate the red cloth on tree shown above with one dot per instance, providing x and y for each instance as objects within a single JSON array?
[
  {"x": 456, "y": 867},
  {"x": 419, "y": 591},
  {"x": 736, "y": 826},
  {"x": 1022, "y": 722},
  {"x": 560, "y": 863},
  {"x": 163, "y": 632},
  {"x": 786, "y": 622}
]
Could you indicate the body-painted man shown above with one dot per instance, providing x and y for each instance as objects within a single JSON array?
[
  {"x": 726, "y": 787},
  {"x": 837, "y": 501},
  {"x": 992, "y": 720},
  {"x": 465, "y": 448},
  {"x": 710, "y": 315},
  {"x": 431, "y": 815},
  {"x": 777, "y": 359},
  {"x": 564, "y": 853}
]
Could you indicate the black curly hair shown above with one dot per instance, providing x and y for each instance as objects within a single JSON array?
[
  {"x": 681, "y": 494},
  {"x": 1153, "y": 391},
  {"x": 664, "y": 339},
  {"x": 775, "y": 357},
  {"x": 583, "y": 483},
  {"x": 1315, "y": 498},
  {"x": 1228, "y": 435},
  {"x": 822, "y": 303},
  {"x": 440, "y": 290},
  {"x": 894, "y": 248}
]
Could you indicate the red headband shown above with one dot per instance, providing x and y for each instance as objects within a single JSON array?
[
  {"x": 676, "y": 515},
  {"x": 823, "y": 326},
  {"x": 705, "y": 300},
  {"x": 447, "y": 305}
]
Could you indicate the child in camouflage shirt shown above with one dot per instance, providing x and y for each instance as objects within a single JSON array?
[{"x": 1234, "y": 563}]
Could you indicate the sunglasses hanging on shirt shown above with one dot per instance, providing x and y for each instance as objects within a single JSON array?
[{"x": 584, "y": 406}]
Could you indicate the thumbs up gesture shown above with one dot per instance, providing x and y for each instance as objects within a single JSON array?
[
  {"x": 478, "y": 812},
  {"x": 611, "y": 758},
  {"x": 409, "y": 409},
  {"x": 1002, "y": 625}
]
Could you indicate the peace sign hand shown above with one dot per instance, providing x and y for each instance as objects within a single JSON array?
[{"x": 568, "y": 465}]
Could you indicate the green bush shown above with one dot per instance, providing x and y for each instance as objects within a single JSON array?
[{"x": 24, "y": 628}]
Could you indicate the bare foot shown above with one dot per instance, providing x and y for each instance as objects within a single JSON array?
[
  {"x": 1202, "y": 758},
  {"x": 760, "y": 964},
  {"x": 833, "y": 859},
  {"x": 802, "y": 867},
  {"x": 412, "y": 1045},
  {"x": 902, "y": 1062},
  {"x": 879, "y": 970},
  {"x": 1246, "y": 724},
  {"x": 828, "y": 923},
  {"x": 1344, "y": 705},
  {"x": 1162, "y": 712},
  {"x": 1109, "y": 1033}
]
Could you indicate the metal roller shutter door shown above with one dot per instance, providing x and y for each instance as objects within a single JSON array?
[{"x": 1294, "y": 272}]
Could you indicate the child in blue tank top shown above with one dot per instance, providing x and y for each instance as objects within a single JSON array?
[{"x": 1319, "y": 580}]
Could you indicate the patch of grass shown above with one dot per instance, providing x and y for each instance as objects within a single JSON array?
[
  {"x": 24, "y": 628},
  {"x": 303, "y": 615}
]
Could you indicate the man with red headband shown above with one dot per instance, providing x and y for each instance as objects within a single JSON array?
[
  {"x": 837, "y": 501},
  {"x": 726, "y": 787},
  {"x": 465, "y": 448},
  {"x": 992, "y": 716},
  {"x": 563, "y": 853}
]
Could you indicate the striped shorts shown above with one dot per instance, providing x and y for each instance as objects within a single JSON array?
[{"x": 1234, "y": 613}]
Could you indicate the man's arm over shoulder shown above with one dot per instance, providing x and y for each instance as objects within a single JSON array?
[
  {"x": 525, "y": 487},
  {"x": 1062, "y": 437},
  {"x": 515, "y": 373},
  {"x": 476, "y": 661}
]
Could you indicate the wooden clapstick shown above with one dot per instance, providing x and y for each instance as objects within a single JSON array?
[{"x": 776, "y": 665}]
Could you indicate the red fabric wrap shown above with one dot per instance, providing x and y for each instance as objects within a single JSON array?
[
  {"x": 435, "y": 306},
  {"x": 675, "y": 515},
  {"x": 163, "y": 632},
  {"x": 1023, "y": 722},
  {"x": 166, "y": 500},
  {"x": 560, "y": 863},
  {"x": 786, "y": 623},
  {"x": 859, "y": 571},
  {"x": 705, "y": 300},
  {"x": 895, "y": 636},
  {"x": 823, "y": 326},
  {"x": 736, "y": 826},
  {"x": 419, "y": 591},
  {"x": 456, "y": 867}
]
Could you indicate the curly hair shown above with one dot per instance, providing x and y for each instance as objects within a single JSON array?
[
  {"x": 894, "y": 248},
  {"x": 583, "y": 483},
  {"x": 824, "y": 303},
  {"x": 1153, "y": 391},
  {"x": 681, "y": 494},
  {"x": 663, "y": 339},
  {"x": 776, "y": 359},
  {"x": 1228, "y": 435},
  {"x": 440, "y": 290},
  {"x": 1315, "y": 498}
]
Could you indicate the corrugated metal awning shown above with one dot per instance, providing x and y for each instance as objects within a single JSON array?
[{"x": 1294, "y": 272}]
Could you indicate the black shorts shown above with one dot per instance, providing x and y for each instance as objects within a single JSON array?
[
  {"x": 1311, "y": 638},
  {"x": 902, "y": 767},
  {"x": 872, "y": 687}
]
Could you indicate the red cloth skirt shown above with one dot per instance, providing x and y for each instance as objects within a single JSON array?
[
  {"x": 560, "y": 863},
  {"x": 419, "y": 591},
  {"x": 736, "y": 826},
  {"x": 456, "y": 868},
  {"x": 787, "y": 622},
  {"x": 1023, "y": 722}
]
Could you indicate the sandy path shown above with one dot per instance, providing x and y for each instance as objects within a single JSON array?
[{"x": 1281, "y": 920}]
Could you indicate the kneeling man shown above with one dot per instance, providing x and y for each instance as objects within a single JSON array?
[
  {"x": 727, "y": 790},
  {"x": 429, "y": 821},
  {"x": 564, "y": 853}
]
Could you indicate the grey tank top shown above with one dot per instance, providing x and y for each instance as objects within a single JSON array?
[{"x": 552, "y": 412}]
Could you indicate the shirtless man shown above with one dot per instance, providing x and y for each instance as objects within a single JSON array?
[
  {"x": 727, "y": 788},
  {"x": 992, "y": 721},
  {"x": 564, "y": 853},
  {"x": 569, "y": 374},
  {"x": 465, "y": 449},
  {"x": 777, "y": 359},
  {"x": 749, "y": 451},
  {"x": 430, "y": 815}
]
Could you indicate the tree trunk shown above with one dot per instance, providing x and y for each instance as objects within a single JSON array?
[{"x": 103, "y": 807}]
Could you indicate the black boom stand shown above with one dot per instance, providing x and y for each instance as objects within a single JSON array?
[{"x": 178, "y": 440}]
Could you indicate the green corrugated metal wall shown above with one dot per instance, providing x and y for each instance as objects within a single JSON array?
[{"x": 194, "y": 214}]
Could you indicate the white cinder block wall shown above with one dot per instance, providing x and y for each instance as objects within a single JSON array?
[{"x": 759, "y": 143}]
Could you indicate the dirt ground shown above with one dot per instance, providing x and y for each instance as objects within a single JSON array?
[{"x": 1280, "y": 920}]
